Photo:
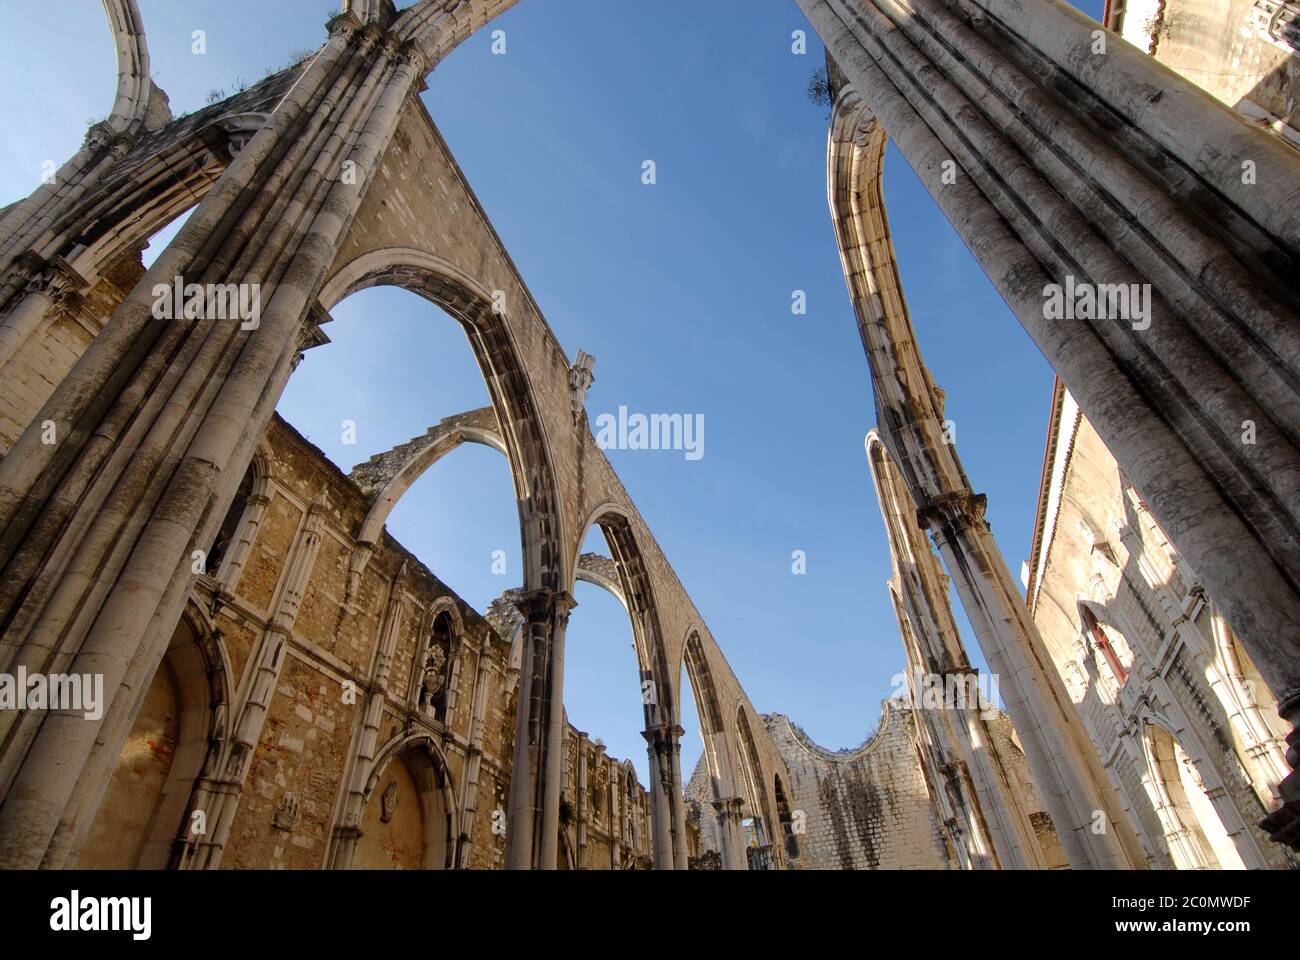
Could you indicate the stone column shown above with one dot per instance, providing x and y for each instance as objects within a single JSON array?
[
  {"x": 659, "y": 738},
  {"x": 1068, "y": 160},
  {"x": 910, "y": 411},
  {"x": 729, "y": 834},
  {"x": 933, "y": 646},
  {"x": 259, "y": 499},
  {"x": 581, "y": 806},
  {"x": 269, "y": 656},
  {"x": 158, "y": 420},
  {"x": 681, "y": 854},
  {"x": 474, "y": 755},
  {"x": 620, "y": 827},
  {"x": 52, "y": 284},
  {"x": 536, "y": 773},
  {"x": 1067, "y": 772},
  {"x": 348, "y": 827}
]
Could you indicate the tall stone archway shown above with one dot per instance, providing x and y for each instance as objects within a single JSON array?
[{"x": 143, "y": 818}]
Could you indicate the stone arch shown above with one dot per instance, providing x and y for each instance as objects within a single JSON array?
[
  {"x": 638, "y": 598},
  {"x": 436, "y": 27},
  {"x": 390, "y": 485},
  {"x": 179, "y": 735},
  {"x": 658, "y": 684},
  {"x": 134, "y": 85},
  {"x": 423, "y": 777},
  {"x": 755, "y": 786},
  {"x": 167, "y": 176},
  {"x": 506, "y": 375},
  {"x": 1194, "y": 831},
  {"x": 601, "y": 571},
  {"x": 696, "y": 661}
]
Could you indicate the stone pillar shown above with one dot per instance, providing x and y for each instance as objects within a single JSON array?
[
  {"x": 909, "y": 409},
  {"x": 53, "y": 284},
  {"x": 536, "y": 776},
  {"x": 259, "y": 499},
  {"x": 681, "y": 854},
  {"x": 159, "y": 418},
  {"x": 348, "y": 828},
  {"x": 659, "y": 740},
  {"x": 581, "y": 806},
  {"x": 728, "y": 810},
  {"x": 1167, "y": 196},
  {"x": 1067, "y": 772},
  {"x": 269, "y": 657},
  {"x": 474, "y": 755},
  {"x": 933, "y": 646}
]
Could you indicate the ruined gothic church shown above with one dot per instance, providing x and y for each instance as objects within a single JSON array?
[{"x": 288, "y": 686}]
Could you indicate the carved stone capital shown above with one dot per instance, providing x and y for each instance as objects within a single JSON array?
[
  {"x": 55, "y": 279},
  {"x": 413, "y": 54},
  {"x": 957, "y": 511},
  {"x": 344, "y": 24},
  {"x": 545, "y": 606},
  {"x": 663, "y": 738}
]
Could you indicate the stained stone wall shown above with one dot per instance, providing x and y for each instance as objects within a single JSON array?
[
  {"x": 866, "y": 808},
  {"x": 870, "y": 807}
]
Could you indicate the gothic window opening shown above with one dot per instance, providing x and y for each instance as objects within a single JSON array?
[
  {"x": 230, "y": 525},
  {"x": 1118, "y": 660},
  {"x": 437, "y": 668},
  {"x": 787, "y": 821}
]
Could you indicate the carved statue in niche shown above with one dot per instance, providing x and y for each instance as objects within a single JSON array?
[
  {"x": 433, "y": 686},
  {"x": 388, "y": 802}
]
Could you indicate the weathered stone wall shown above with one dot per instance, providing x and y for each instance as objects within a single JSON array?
[
  {"x": 291, "y": 800},
  {"x": 32, "y": 373},
  {"x": 1145, "y": 655},
  {"x": 1224, "y": 47},
  {"x": 863, "y": 809},
  {"x": 303, "y": 620}
]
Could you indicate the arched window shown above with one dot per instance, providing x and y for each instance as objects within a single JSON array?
[
  {"x": 230, "y": 525},
  {"x": 1118, "y": 658},
  {"x": 786, "y": 820}
]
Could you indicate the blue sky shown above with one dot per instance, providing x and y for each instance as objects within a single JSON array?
[{"x": 682, "y": 292}]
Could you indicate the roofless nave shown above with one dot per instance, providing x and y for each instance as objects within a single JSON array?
[{"x": 287, "y": 685}]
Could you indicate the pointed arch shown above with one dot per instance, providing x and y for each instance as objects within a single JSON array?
[
  {"x": 435, "y": 792},
  {"x": 178, "y": 737},
  {"x": 638, "y": 598},
  {"x": 503, "y": 368},
  {"x": 1195, "y": 834},
  {"x": 134, "y": 85},
  {"x": 755, "y": 785}
]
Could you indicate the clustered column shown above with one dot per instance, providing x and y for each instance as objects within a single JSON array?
[{"x": 1067, "y": 159}]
